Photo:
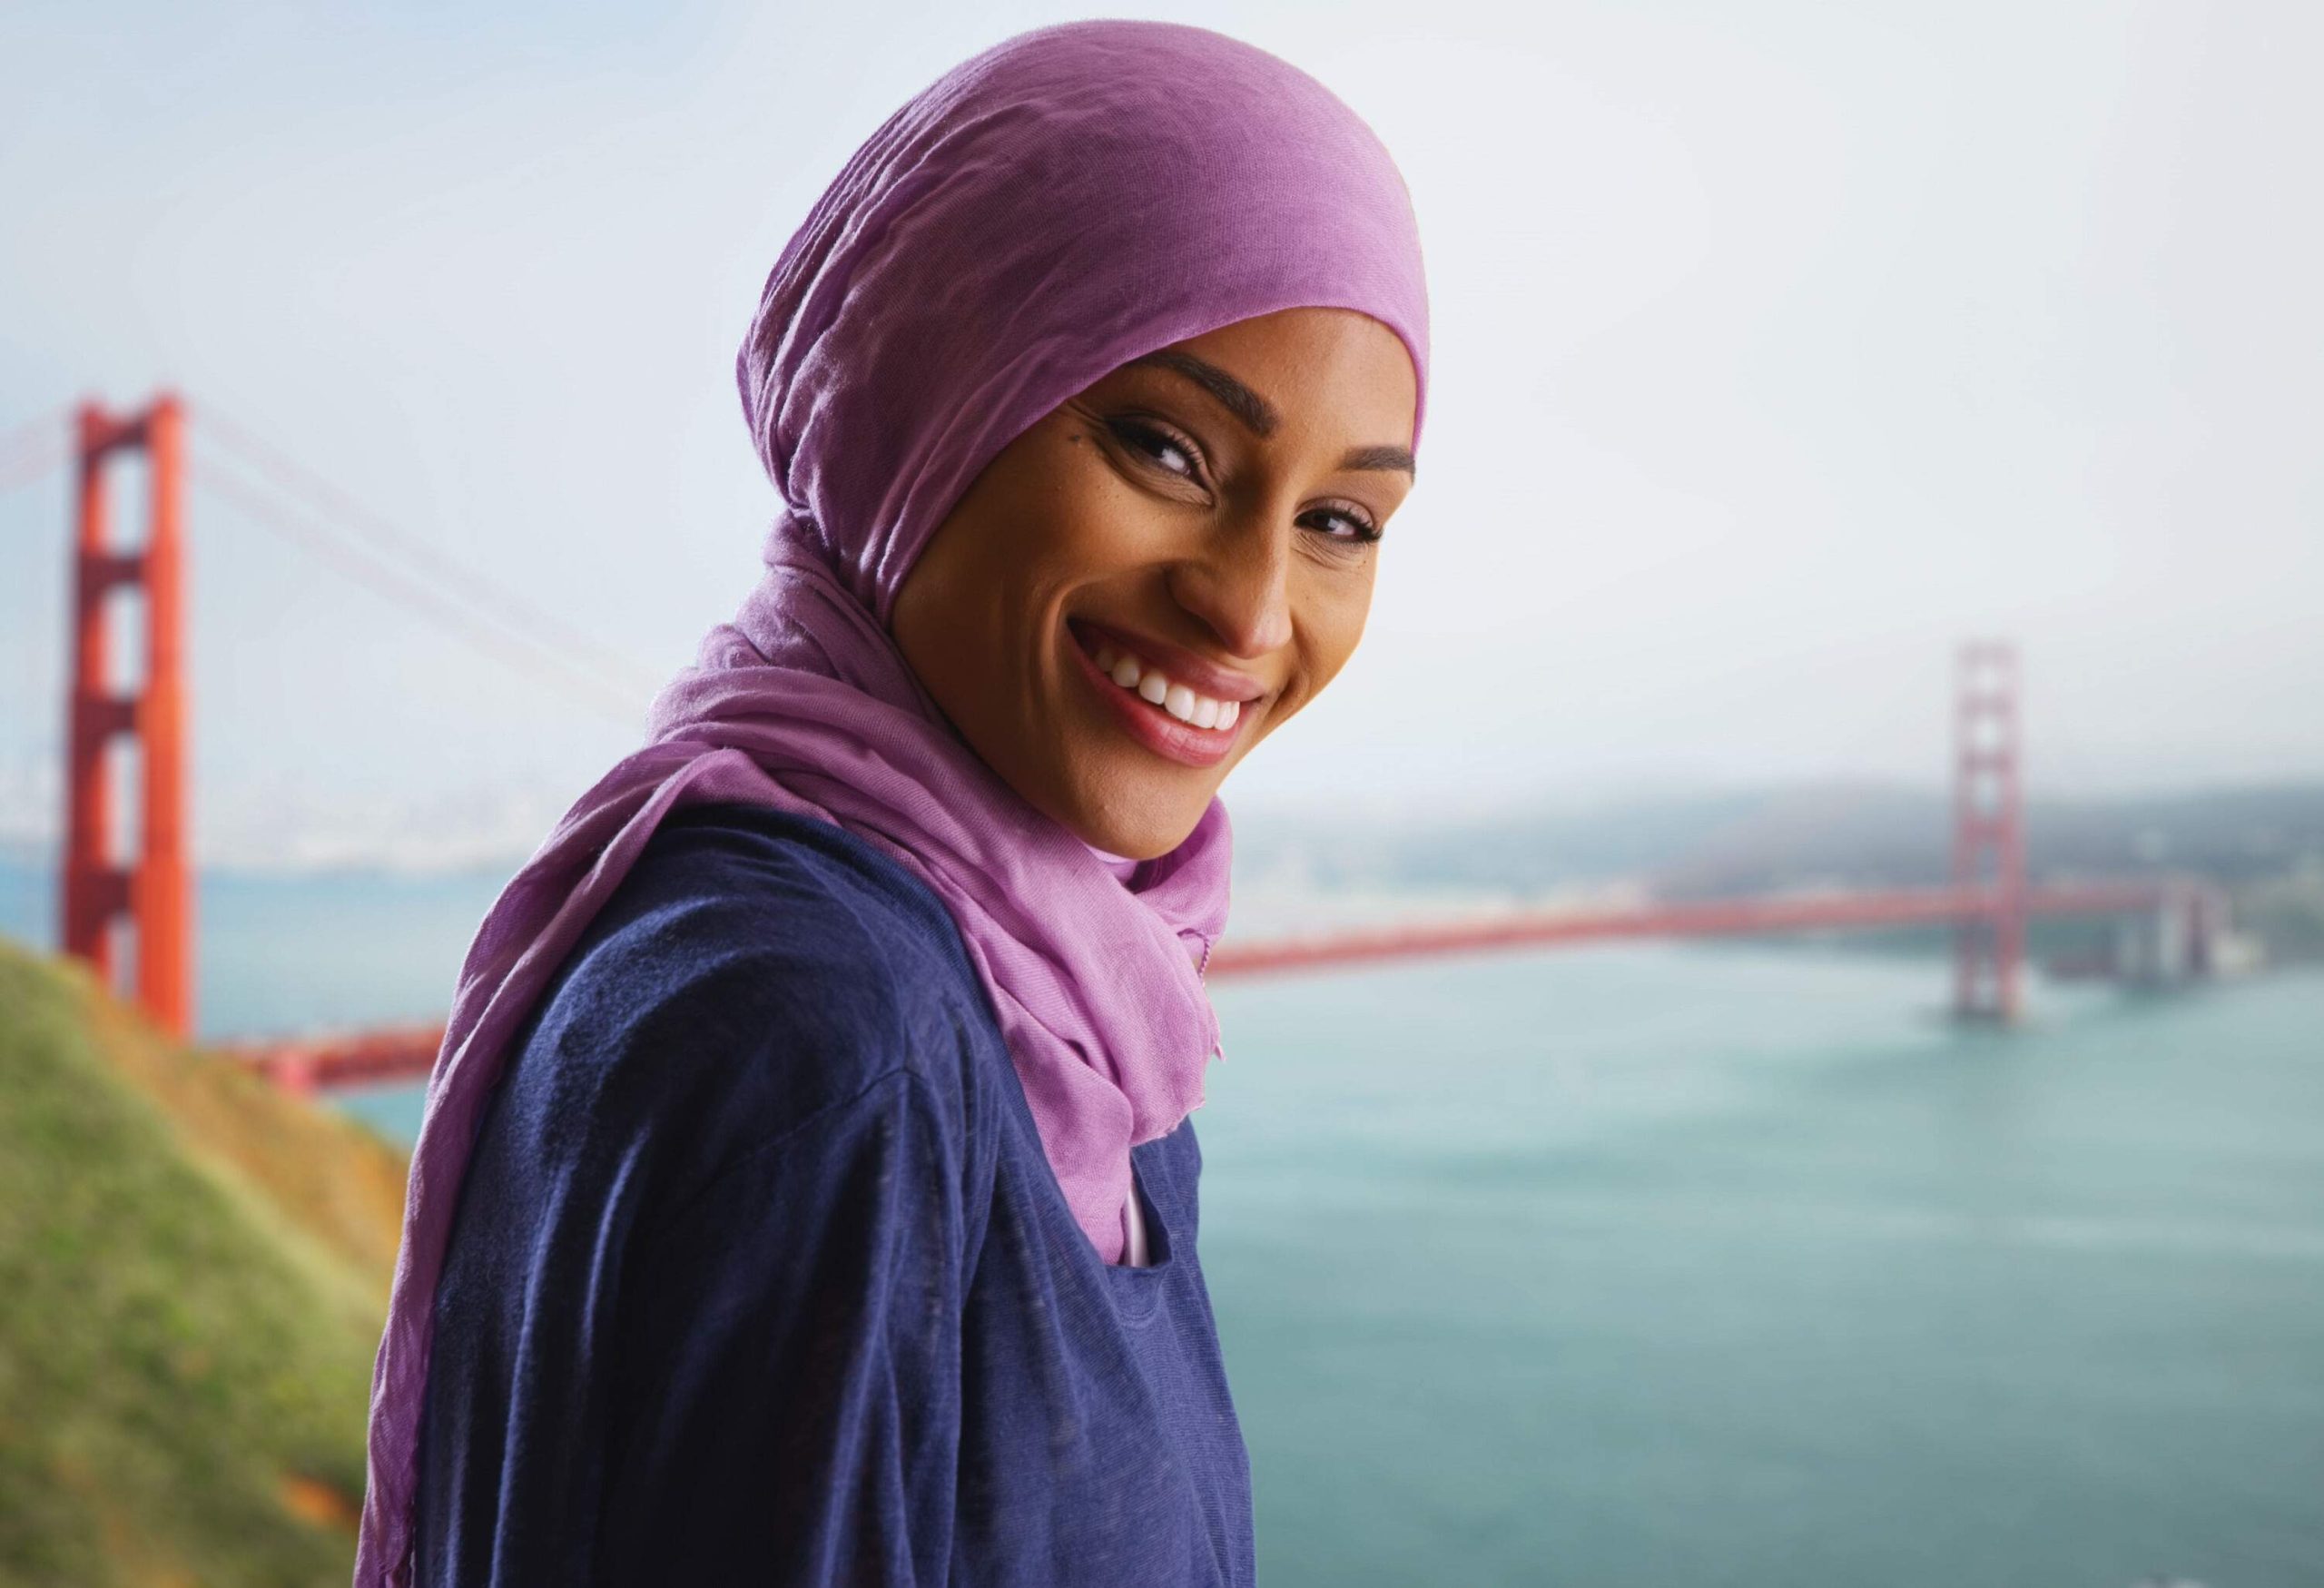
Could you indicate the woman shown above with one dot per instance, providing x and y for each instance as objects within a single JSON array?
[{"x": 805, "y": 1194}]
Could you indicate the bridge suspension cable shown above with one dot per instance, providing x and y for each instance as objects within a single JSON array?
[
  {"x": 353, "y": 560},
  {"x": 497, "y": 601}
]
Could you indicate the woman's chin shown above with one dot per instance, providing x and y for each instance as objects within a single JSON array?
[{"x": 1136, "y": 827}]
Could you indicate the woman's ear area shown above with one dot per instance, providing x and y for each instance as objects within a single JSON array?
[{"x": 928, "y": 581}]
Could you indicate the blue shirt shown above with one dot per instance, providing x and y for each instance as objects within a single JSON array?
[{"x": 760, "y": 1275}]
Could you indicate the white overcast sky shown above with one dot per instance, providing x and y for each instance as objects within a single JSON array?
[{"x": 1779, "y": 346}]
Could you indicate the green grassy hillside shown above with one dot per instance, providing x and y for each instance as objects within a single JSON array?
[{"x": 192, "y": 1270}]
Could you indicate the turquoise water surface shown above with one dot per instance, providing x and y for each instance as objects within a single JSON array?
[{"x": 1678, "y": 1267}]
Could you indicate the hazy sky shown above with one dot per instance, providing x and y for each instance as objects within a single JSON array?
[{"x": 1776, "y": 348}]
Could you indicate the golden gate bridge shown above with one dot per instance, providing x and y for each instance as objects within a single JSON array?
[{"x": 111, "y": 901}]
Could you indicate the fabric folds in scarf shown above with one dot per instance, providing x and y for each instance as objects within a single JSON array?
[{"x": 1064, "y": 202}]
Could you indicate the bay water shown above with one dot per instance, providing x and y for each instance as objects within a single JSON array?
[{"x": 1682, "y": 1266}]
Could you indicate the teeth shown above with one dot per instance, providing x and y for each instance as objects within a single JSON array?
[{"x": 1154, "y": 686}]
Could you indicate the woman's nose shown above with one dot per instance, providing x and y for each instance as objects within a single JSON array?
[{"x": 1240, "y": 587}]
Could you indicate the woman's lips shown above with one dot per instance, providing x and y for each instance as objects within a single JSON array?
[
  {"x": 1149, "y": 722},
  {"x": 1181, "y": 665}
]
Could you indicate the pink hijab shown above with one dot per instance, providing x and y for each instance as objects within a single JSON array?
[{"x": 1042, "y": 214}]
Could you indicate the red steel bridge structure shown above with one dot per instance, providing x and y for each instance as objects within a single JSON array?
[{"x": 103, "y": 896}]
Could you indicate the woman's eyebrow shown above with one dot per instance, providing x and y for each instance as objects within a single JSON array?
[
  {"x": 1396, "y": 458},
  {"x": 1258, "y": 414}
]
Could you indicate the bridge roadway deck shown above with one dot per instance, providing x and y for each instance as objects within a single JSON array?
[{"x": 407, "y": 1053}]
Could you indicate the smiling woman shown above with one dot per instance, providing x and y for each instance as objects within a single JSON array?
[
  {"x": 806, "y": 1193},
  {"x": 1160, "y": 573}
]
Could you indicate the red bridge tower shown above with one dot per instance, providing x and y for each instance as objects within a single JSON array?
[
  {"x": 150, "y": 891},
  {"x": 1989, "y": 835}
]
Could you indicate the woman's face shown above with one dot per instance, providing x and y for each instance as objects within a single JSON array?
[{"x": 1160, "y": 573}]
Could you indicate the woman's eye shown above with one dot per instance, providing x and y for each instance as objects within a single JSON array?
[
  {"x": 1160, "y": 447},
  {"x": 1339, "y": 525}
]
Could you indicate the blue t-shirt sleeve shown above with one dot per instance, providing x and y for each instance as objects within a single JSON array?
[
  {"x": 789, "y": 1409},
  {"x": 700, "y": 1319},
  {"x": 763, "y": 1388}
]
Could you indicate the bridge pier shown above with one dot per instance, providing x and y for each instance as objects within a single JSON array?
[{"x": 2178, "y": 941}]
